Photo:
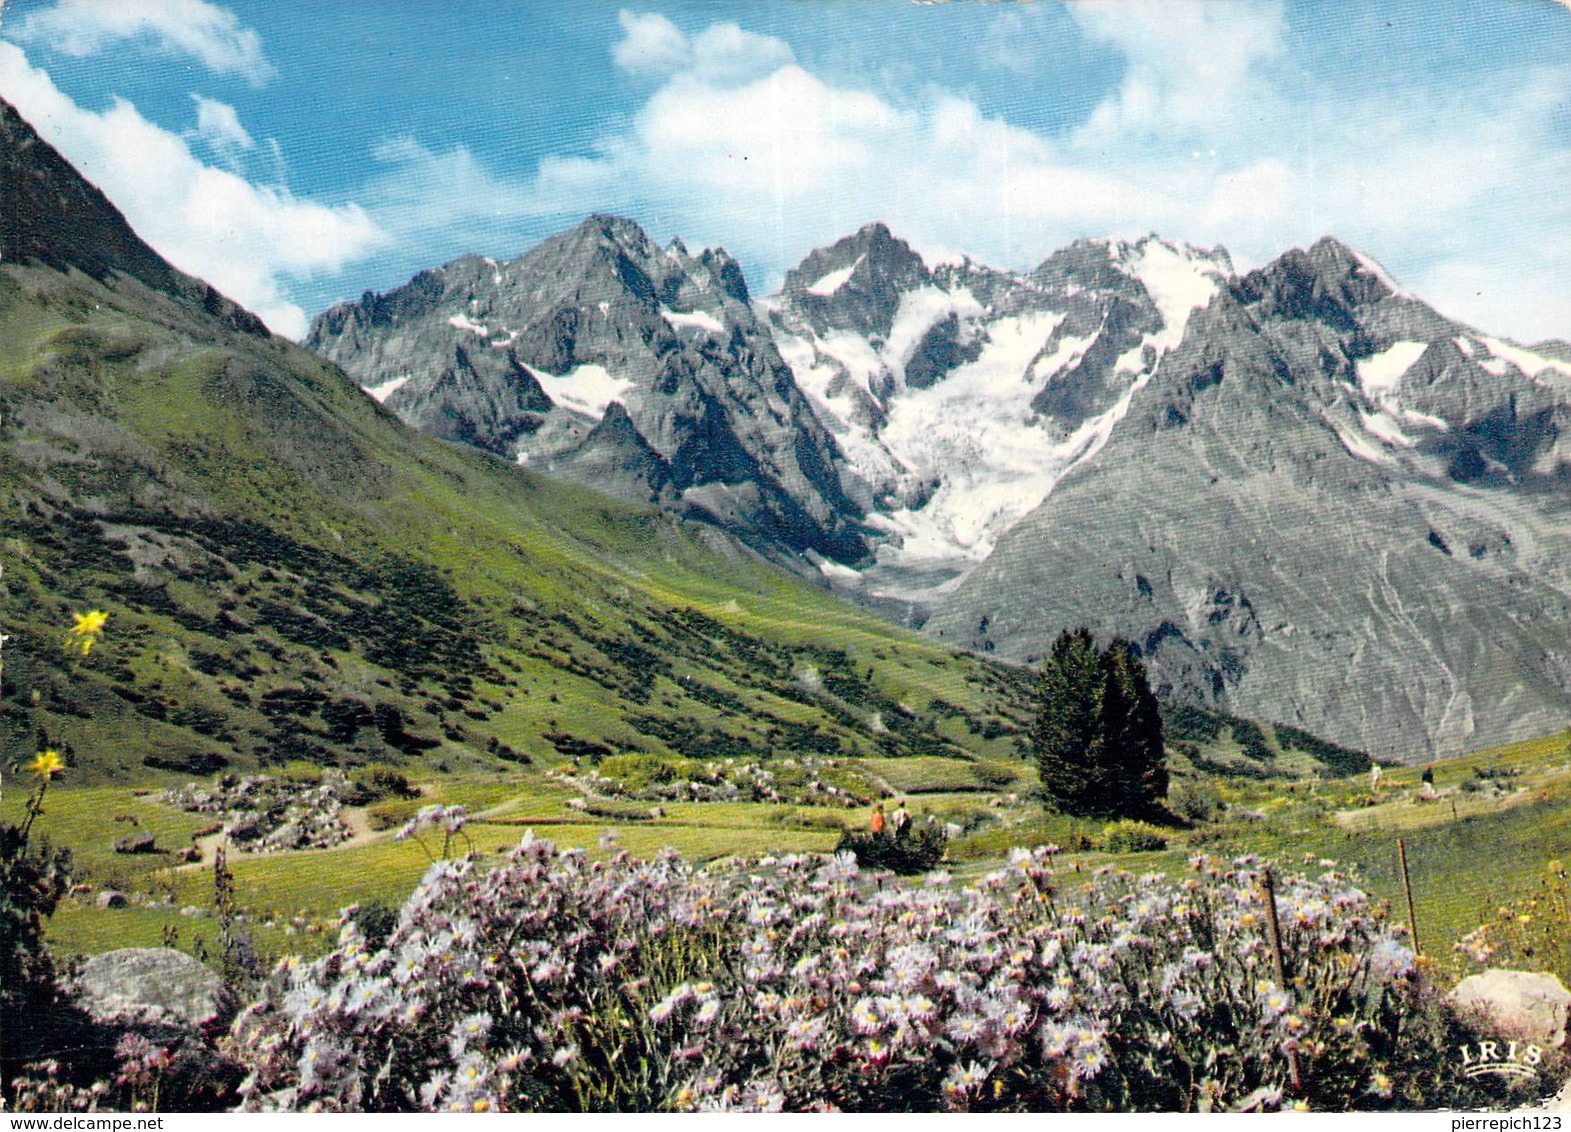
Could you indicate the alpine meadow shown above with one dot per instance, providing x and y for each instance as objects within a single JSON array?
[{"x": 956, "y": 650}]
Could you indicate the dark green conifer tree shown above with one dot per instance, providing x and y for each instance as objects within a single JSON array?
[
  {"x": 1131, "y": 731},
  {"x": 1066, "y": 724},
  {"x": 1098, "y": 733}
]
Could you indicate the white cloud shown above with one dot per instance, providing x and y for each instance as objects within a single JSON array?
[
  {"x": 210, "y": 34},
  {"x": 1012, "y": 41},
  {"x": 423, "y": 191},
  {"x": 724, "y": 53},
  {"x": 1212, "y": 134},
  {"x": 1186, "y": 65},
  {"x": 245, "y": 239},
  {"x": 652, "y": 46},
  {"x": 218, "y": 127}
]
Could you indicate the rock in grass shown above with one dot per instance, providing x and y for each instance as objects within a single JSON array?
[
  {"x": 153, "y": 983},
  {"x": 1529, "y": 1005},
  {"x": 109, "y": 898}
]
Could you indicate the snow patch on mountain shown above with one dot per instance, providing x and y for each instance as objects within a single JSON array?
[
  {"x": 386, "y": 389},
  {"x": 834, "y": 280},
  {"x": 919, "y": 312},
  {"x": 1370, "y": 267},
  {"x": 462, "y": 321},
  {"x": 1360, "y": 444},
  {"x": 1380, "y": 375},
  {"x": 1532, "y": 364},
  {"x": 1384, "y": 427},
  {"x": 587, "y": 389},
  {"x": 1179, "y": 281},
  {"x": 692, "y": 320}
]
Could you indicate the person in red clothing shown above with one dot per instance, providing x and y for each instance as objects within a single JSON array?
[{"x": 878, "y": 819}]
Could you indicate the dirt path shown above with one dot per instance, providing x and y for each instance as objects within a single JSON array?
[{"x": 1401, "y": 813}]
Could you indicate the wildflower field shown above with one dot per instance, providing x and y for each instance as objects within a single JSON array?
[
  {"x": 560, "y": 982},
  {"x": 531, "y": 955}
]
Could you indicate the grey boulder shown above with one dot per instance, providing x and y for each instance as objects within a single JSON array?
[
  {"x": 153, "y": 984},
  {"x": 1528, "y": 1005}
]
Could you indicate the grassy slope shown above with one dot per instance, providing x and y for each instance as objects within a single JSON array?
[{"x": 255, "y": 525}]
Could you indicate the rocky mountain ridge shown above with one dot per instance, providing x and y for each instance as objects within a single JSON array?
[
  {"x": 1332, "y": 507},
  {"x": 524, "y": 358},
  {"x": 1132, "y": 436}
]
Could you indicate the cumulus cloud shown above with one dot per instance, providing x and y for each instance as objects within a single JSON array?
[
  {"x": 652, "y": 46},
  {"x": 248, "y": 240},
  {"x": 1187, "y": 66},
  {"x": 1211, "y": 134},
  {"x": 208, "y": 33}
]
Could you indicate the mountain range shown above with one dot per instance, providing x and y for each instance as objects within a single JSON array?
[{"x": 1302, "y": 492}]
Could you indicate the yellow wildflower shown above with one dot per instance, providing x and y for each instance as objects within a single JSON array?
[
  {"x": 47, "y": 764},
  {"x": 88, "y": 628}
]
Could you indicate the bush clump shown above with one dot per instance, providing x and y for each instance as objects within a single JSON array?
[
  {"x": 1132, "y": 837},
  {"x": 792, "y": 780},
  {"x": 555, "y": 982},
  {"x": 370, "y": 784},
  {"x": 916, "y": 851}
]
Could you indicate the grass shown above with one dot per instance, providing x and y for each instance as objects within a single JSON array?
[
  {"x": 931, "y": 775},
  {"x": 1462, "y": 867}
]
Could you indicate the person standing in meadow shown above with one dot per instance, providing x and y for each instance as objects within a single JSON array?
[
  {"x": 878, "y": 819},
  {"x": 901, "y": 820}
]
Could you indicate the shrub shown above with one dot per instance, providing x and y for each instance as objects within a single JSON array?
[
  {"x": 556, "y": 982},
  {"x": 994, "y": 775},
  {"x": 1132, "y": 837},
  {"x": 1194, "y": 800},
  {"x": 369, "y": 784},
  {"x": 920, "y": 850}
]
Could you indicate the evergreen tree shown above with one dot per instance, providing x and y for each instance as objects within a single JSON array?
[
  {"x": 1066, "y": 724},
  {"x": 1098, "y": 732},
  {"x": 1131, "y": 730}
]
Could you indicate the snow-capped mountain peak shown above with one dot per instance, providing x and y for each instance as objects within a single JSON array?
[{"x": 961, "y": 393}]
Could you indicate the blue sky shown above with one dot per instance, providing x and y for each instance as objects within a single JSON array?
[{"x": 294, "y": 153}]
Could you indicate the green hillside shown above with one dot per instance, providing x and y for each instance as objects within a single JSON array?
[{"x": 291, "y": 574}]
